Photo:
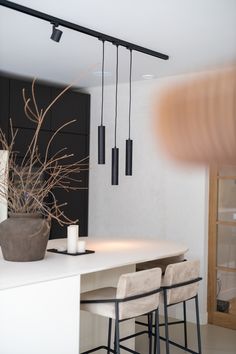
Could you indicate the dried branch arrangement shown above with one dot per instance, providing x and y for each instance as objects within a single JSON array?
[{"x": 32, "y": 181}]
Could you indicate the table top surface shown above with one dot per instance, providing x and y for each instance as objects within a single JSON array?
[{"x": 109, "y": 253}]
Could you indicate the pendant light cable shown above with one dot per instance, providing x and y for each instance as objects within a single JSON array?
[
  {"x": 116, "y": 98},
  {"x": 102, "y": 128},
  {"x": 129, "y": 142},
  {"x": 130, "y": 91},
  {"x": 103, "y": 60},
  {"x": 115, "y": 150}
]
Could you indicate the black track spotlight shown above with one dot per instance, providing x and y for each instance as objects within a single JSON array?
[{"x": 56, "y": 33}]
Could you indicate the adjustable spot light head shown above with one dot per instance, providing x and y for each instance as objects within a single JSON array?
[{"x": 56, "y": 33}]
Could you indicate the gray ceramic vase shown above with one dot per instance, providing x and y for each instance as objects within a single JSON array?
[{"x": 24, "y": 237}]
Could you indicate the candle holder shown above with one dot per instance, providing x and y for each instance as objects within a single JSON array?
[{"x": 54, "y": 250}]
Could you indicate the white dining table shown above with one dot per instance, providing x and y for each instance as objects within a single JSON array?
[{"x": 40, "y": 301}]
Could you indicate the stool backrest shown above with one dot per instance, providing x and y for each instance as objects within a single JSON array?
[
  {"x": 138, "y": 283},
  {"x": 179, "y": 273}
]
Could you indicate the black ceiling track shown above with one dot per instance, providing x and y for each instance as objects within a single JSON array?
[{"x": 75, "y": 27}]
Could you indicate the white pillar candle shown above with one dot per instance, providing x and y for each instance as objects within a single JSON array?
[
  {"x": 72, "y": 238},
  {"x": 81, "y": 246},
  {"x": 3, "y": 184}
]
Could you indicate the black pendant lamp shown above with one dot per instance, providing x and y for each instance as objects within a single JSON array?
[
  {"x": 115, "y": 150},
  {"x": 101, "y": 127},
  {"x": 129, "y": 142}
]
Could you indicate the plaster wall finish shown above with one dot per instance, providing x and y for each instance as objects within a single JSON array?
[{"x": 162, "y": 199}]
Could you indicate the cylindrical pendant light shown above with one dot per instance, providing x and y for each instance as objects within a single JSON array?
[
  {"x": 101, "y": 127},
  {"x": 115, "y": 150},
  {"x": 129, "y": 142}
]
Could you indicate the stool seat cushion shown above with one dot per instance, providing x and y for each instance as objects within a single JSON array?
[
  {"x": 129, "y": 285},
  {"x": 102, "y": 309}
]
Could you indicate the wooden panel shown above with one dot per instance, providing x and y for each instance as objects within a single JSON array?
[
  {"x": 223, "y": 320},
  {"x": 226, "y": 177},
  {"x": 225, "y": 269},
  {"x": 43, "y": 98},
  {"x": 227, "y": 223},
  {"x": 212, "y": 244}
]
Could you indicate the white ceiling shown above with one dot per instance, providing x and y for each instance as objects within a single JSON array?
[{"x": 196, "y": 34}]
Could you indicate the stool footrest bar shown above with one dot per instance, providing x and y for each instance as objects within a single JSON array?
[
  {"x": 97, "y": 349},
  {"x": 133, "y": 335},
  {"x": 129, "y": 350},
  {"x": 179, "y": 346}
]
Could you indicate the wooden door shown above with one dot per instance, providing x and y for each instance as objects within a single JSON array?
[{"x": 222, "y": 247}]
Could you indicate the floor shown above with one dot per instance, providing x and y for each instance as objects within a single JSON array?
[{"x": 215, "y": 340}]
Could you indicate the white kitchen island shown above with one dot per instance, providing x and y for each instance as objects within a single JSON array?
[{"x": 40, "y": 301}]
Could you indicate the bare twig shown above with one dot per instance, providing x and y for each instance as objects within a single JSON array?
[{"x": 31, "y": 183}]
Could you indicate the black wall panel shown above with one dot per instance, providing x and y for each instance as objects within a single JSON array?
[
  {"x": 43, "y": 98},
  {"x": 72, "y": 105},
  {"x": 4, "y": 104},
  {"x": 23, "y": 138}
]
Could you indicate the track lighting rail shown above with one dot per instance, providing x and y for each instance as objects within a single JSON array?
[{"x": 78, "y": 28}]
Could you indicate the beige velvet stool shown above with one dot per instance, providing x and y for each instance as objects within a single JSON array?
[
  {"x": 136, "y": 294},
  {"x": 160, "y": 263},
  {"x": 180, "y": 284}
]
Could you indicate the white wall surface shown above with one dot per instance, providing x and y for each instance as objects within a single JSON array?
[
  {"x": 186, "y": 217},
  {"x": 162, "y": 199}
]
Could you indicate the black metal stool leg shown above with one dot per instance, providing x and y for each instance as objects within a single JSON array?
[
  {"x": 198, "y": 326},
  {"x": 185, "y": 326},
  {"x": 166, "y": 322},
  {"x": 117, "y": 330},
  {"x": 109, "y": 336},
  {"x": 150, "y": 332},
  {"x": 117, "y": 337},
  {"x": 157, "y": 349}
]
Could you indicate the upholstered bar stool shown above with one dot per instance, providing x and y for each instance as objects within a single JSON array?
[
  {"x": 136, "y": 294},
  {"x": 160, "y": 263},
  {"x": 180, "y": 284}
]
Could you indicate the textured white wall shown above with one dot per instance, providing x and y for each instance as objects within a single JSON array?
[
  {"x": 135, "y": 207},
  {"x": 161, "y": 199},
  {"x": 186, "y": 217}
]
